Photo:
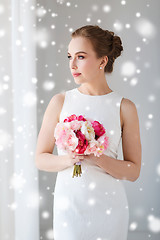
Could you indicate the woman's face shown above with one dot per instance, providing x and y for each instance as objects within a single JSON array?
[{"x": 83, "y": 60}]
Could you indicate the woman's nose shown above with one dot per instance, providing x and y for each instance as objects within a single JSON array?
[{"x": 73, "y": 65}]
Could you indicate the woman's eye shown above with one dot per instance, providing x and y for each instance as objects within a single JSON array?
[{"x": 81, "y": 57}]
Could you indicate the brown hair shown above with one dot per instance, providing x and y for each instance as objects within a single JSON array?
[{"x": 104, "y": 43}]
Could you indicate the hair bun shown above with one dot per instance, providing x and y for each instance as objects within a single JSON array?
[
  {"x": 117, "y": 47},
  {"x": 116, "y": 44}
]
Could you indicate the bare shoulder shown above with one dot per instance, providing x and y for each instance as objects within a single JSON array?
[
  {"x": 128, "y": 105},
  {"x": 128, "y": 111},
  {"x": 57, "y": 102},
  {"x": 58, "y": 98}
]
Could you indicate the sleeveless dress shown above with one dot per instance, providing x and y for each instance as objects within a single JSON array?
[{"x": 93, "y": 206}]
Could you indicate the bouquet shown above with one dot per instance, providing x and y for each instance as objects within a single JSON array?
[{"x": 81, "y": 135}]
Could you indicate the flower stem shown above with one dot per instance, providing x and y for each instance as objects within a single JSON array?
[{"x": 77, "y": 171}]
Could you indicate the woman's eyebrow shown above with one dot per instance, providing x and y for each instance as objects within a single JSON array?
[{"x": 79, "y": 52}]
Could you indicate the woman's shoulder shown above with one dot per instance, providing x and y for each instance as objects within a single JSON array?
[
  {"x": 128, "y": 109},
  {"x": 127, "y": 104},
  {"x": 56, "y": 102},
  {"x": 59, "y": 97}
]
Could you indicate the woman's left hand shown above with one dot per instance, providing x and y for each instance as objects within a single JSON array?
[{"x": 91, "y": 157}]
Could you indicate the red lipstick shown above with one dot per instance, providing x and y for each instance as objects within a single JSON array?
[{"x": 76, "y": 74}]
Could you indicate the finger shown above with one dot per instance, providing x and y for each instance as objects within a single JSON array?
[
  {"x": 73, "y": 154},
  {"x": 77, "y": 157},
  {"x": 79, "y": 160}
]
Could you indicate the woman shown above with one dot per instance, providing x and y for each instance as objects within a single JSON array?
[{"x": 93, "y": 206}]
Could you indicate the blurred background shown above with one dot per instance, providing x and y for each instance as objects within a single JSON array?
[{"x": 34, "y": 37}]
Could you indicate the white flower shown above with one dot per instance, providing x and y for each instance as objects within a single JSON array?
[{"x": 88, "y": 130}]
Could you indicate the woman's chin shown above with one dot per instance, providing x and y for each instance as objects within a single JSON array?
[{"x": 79, "y": 81}]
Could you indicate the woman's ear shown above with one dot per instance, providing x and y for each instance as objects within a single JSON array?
[{"x": 104, "y": 61}]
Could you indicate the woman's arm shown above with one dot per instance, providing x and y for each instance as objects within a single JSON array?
[
  {"x": 52, "y": 163},
  {"x": 44, "y": 159},
  {"x": 129, "y": 169}
]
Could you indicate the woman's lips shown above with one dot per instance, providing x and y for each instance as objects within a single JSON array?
[{"x": 76, "y": 74}]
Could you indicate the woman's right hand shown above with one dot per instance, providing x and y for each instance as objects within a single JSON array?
[{"x": 74, "y": 158}]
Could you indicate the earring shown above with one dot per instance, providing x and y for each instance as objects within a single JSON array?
[{"x": 100, "y": 67}]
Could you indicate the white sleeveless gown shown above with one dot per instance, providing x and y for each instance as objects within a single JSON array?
[{"x": 93, "y": 206}]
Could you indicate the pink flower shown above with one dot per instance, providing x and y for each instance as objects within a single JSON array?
[
  {"x": 91, "y": 148},
  {"x": 98, "y": 128},
  {"x": 60, "y": 129},
  {"x": 67, "y": 140},
  {"x": 104, "y": 141},
  {"x": 71, "y": 141},
  {"x": 76, "y": 125}
]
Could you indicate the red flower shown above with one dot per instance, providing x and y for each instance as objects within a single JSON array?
[
  {"x": 81, "y": 118},
  {"x": 74, "y": 117},
  {"x": 98, "y": 128},
  {"x": 70, "y": 118},
  {"x": 82, "y": 142}
]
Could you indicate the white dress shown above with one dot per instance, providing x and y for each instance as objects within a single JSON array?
[{"x": 93, "y": 206}]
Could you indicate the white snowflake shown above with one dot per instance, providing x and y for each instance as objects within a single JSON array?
[{"x": 153, "y": 223}]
